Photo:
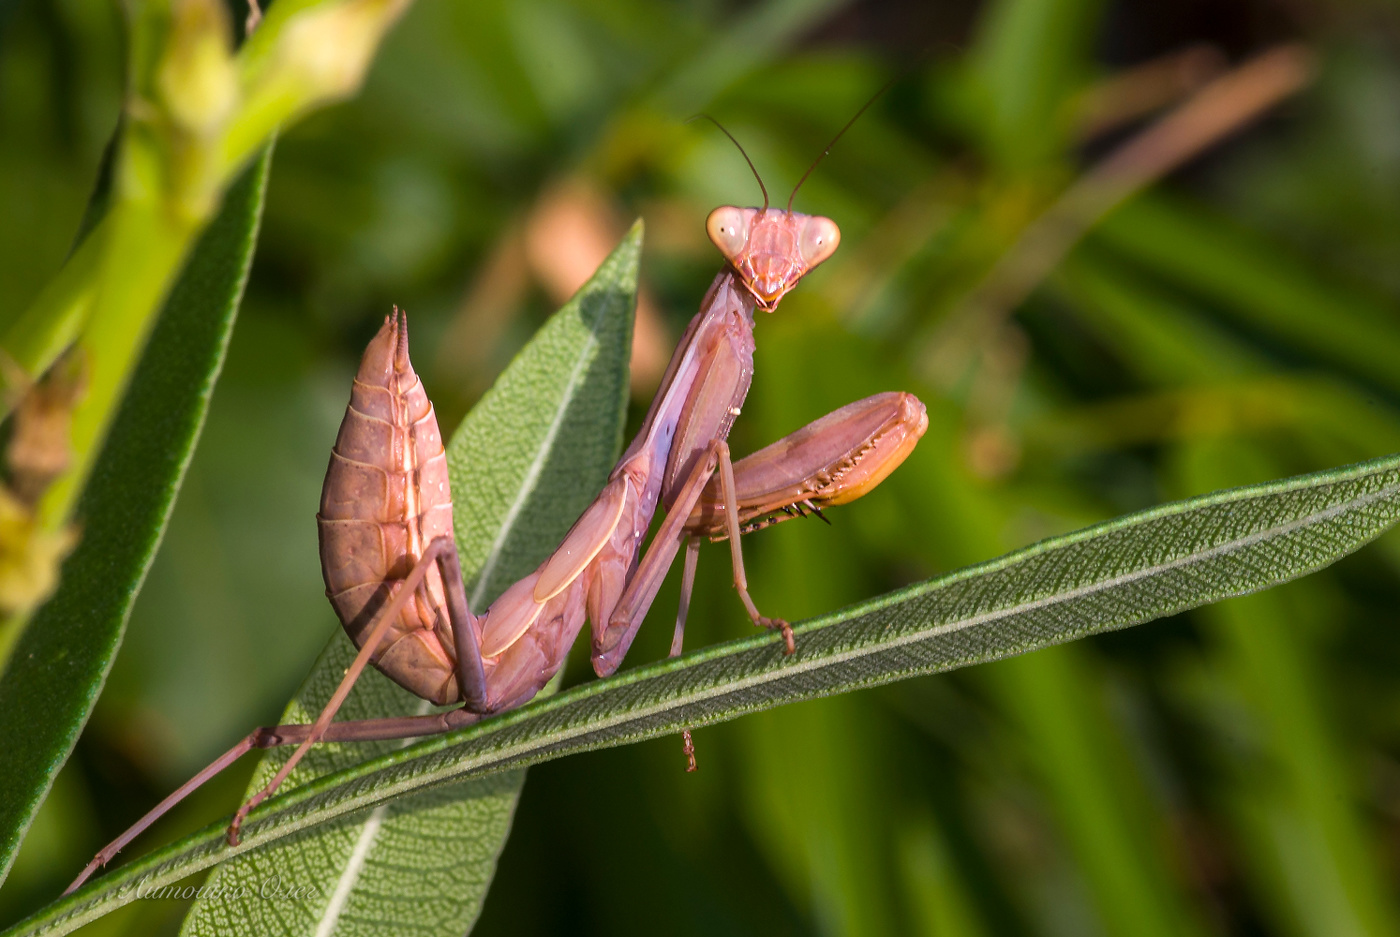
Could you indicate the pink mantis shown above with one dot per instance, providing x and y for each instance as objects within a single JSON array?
[{"x": 390, "y": 562}]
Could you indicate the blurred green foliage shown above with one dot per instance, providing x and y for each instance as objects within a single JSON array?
[{"x": 1230, "y": 771}]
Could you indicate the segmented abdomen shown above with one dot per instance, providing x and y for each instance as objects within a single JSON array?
[{"x": 385, "y": 498}]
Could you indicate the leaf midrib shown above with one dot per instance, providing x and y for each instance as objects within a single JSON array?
[{"x": 532, "y": 475}]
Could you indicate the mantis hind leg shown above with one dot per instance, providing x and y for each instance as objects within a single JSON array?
[
  {"x": 361, "y": 730},
  {"x": 470, "y": 671}
]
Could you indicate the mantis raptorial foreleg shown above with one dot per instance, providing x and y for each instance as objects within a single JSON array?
[{"x": 830, "y": 461}]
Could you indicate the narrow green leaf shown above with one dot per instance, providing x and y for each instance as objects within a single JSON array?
[
  {"x": 1308, "y": 855},
  {"x": 173, "y": 163},
  {"x": 524, "y": 464},
  {"x": 1113, "y": 575},
  {"x": 940, "y": 899},
  {"x": 755, "y": 36},
  {"x": 49, "y": 687},
  {"x": 1254, "y": 281},
  {"x": 1104, "y": 809},
  {"x": 1030, "y": 55}
]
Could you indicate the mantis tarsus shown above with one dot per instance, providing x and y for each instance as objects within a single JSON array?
[{"x": 390, "y": 562}]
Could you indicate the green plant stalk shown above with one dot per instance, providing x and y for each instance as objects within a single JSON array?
[
  {"x": 170, "y": 179},
  {"x": 1094, "y": 795},
  {"x": 62, "y": 658},
  {"x": 137, "y": 250},
  {"x": 146, "y": 243},
  {"x": 137, "y": 253},
  {"x": 52, "y": 323}
]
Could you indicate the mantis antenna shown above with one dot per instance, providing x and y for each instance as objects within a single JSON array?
[
  {"x": 761, "y": 186},
  {"x": 863, "y": 108}
]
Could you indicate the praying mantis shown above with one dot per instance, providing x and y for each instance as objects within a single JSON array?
[{"x": 390, "y": 562}]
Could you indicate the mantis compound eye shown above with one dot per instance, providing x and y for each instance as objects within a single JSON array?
[
  {"x": 728, "y": 228},
  {"x": 818, "y": 240}
]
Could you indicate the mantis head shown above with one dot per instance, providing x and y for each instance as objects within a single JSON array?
[{"x": 771, "y": 249}]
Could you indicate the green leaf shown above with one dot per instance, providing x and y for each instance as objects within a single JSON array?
[
  {"x": 1030, "y": 55},
  {"x": 1105, "y": 812},
  {"x": 174, "y": 158},
  {"x": 1121, "y": 573},
  {"x": 1300, "y": 825},
  {"x": 754, "y": 36},
  {"x": 524, "y": 464},
  {"x": 49, "y": 687},
  {"x": 1256, "y": 282}
]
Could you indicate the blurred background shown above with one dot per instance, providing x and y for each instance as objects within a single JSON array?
[{"x": 1126, "y": 251}]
